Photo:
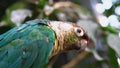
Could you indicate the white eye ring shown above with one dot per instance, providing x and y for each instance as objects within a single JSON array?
[{"x": 79, "y": 32}]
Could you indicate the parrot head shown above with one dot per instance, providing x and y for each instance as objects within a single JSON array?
[{"x": 69, "y": 36}]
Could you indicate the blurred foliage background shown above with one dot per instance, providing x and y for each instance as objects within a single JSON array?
[{"x": 100, "y": 18}]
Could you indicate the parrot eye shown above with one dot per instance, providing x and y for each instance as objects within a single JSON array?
[{"x": 79, "y": 32}]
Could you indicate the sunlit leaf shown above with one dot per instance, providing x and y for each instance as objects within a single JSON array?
[
  {"x": 18, "y": 16},
  {"x": 6, "y": 17},
  {"x": 114, "y": 42}
]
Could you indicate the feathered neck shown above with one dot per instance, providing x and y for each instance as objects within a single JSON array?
[{"x": 61, "y": 30}]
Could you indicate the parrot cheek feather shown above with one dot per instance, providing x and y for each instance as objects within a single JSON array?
[{"x": 81, "y": 45}]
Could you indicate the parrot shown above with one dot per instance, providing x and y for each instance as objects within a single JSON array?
[{"x": 33, "y": 43}]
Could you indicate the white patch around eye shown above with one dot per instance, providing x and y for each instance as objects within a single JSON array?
[{"x": 81, "y": 33}]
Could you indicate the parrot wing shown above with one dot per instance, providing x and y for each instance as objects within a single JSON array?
[{"x": 28, "y": 45}]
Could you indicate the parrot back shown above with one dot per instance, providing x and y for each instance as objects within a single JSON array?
[{"x": 26, "y": 46}]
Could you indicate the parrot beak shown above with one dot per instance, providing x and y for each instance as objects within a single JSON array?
[
  {"x": 82, "y": 44},
  {"x": 86, "y": 38}
]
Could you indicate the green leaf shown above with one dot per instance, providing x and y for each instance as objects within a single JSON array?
[
  {"x": 113, "y": 59},
  {"x": 42, "y": 3},
  {"x": 110, "y": 29}
]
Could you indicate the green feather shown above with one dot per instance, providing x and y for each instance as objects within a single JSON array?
[{"x": 26, "y": 46}]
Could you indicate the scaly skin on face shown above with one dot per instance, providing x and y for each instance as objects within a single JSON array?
[{"x": 69, "y": 37}]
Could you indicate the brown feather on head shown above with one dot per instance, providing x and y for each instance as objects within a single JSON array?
[{"x": 69, "y": 36}]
